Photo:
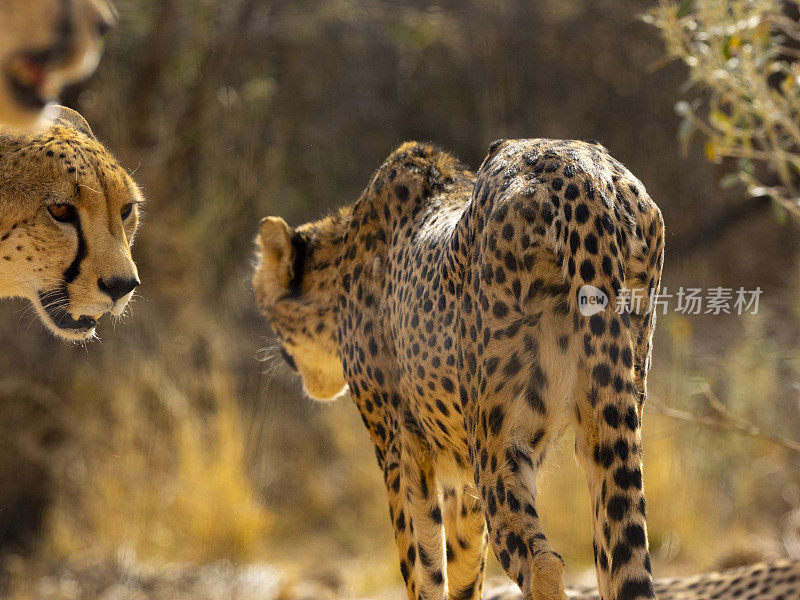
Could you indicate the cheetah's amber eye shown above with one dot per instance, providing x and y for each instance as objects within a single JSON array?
[
  {"x": 63, "y": 212},
  {"x": 126, "y": 210}
]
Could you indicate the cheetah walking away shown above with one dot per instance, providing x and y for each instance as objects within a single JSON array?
[{"x": 449, "y": 304}]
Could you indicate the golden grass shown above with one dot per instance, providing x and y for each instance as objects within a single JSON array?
[
  {"x": 178, "y": 490},
  {"x": 164, "y": 473}
]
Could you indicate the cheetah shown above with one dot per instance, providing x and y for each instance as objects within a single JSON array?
[
  {"x": 46, "y": 44},
  {"x": 68, "y": 216},
  {"x": 779, "y": 580},
  {"x": 450, "y": 305}
]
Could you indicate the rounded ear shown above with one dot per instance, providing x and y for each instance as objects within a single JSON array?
[
  {"x": 277, "y": 256},
  {"x": 69, "y": 118}
]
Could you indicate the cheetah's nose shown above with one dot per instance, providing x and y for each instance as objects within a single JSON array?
[{"x": 117, "y": 287}]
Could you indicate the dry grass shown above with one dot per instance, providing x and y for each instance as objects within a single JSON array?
[
  {"x": 157, "y": 478},
  {"x": 163, "y": 480}
]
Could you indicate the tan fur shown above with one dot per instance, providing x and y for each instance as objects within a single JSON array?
[
  {"x": 65, "y": 164},
  {"x": 314, "y": 351},
  {"x": 46, "y": 44},
  {"x": 276, "y": 256}
]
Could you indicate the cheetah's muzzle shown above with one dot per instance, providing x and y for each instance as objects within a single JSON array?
[{"x": 55, "y": 305}]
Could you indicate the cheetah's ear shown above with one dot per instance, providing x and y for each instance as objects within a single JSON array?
[
  {"x": 275, "y": 241},
  {"x": 70, "y": 118}
]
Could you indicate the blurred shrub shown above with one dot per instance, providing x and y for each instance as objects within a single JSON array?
[{"x": 743, "y": 65}]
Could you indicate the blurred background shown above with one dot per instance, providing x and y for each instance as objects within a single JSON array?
[{"x": 177, "y": 454}]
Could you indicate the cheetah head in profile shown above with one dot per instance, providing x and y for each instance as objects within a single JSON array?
[
  {"x": 68, "y": 216},
  {"x": 45, "y": 45},
  {"x": 294, "y": 283}
]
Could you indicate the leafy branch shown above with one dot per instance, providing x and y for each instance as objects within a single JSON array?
[{"x": 742, "y": 57}]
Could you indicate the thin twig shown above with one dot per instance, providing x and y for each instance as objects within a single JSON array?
[{"x": 724, "y": 421}]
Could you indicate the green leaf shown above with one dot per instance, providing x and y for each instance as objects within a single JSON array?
[
  {"x": 779, "y": 213},
  {"x": 730, "y": 180},
  {"x": 682, "y": 108},
  {"x": 685, "y": 130},
  {"x": 746, "y": 166}
]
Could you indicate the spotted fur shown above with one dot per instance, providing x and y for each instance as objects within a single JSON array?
[
  {"x": 779, "y": 580},
  {"x": 45, "y": 45},
  {"x": 448, "y": 303},
  {"x": 74, "y": 269}
]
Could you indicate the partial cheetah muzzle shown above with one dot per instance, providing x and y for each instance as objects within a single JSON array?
[
  {"x": 27, "y": 73},
  {"x": 27, "y": 78},
  {"x": 35, "y": 76}
]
